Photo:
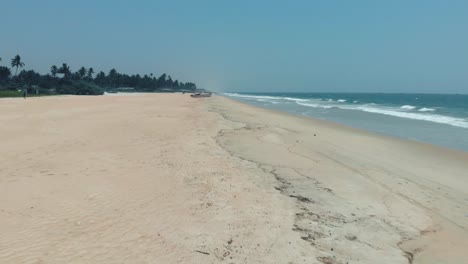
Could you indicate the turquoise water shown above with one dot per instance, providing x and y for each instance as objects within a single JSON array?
[{"x": 439, "y": 119}]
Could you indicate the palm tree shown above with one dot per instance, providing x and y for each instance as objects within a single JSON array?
[
  {"x": 16, "y": 62},
  {"x": 65, "y": 69},
  {"x": 90, "y": 73},
  {"x": 53, "y": 70},
  {"x": 81, "y": 72},
  {"x": 112, "y": 76}
]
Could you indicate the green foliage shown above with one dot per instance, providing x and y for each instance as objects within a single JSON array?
[
  {"x": 89, "y": 74},
  {"x": 65, "y": 70},
  {"x": 82, "y": 72},
  {"x": 5, "y": 74},
  {"x": 53, "y": 70},
  {"x": 62, "y": 80},
  {"x": 78, "y": 88},
  {"x": 29, "y": 78},
  {"x": 10, "y": 93}
]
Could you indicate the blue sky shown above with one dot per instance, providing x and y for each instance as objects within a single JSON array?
[{"x": 311, "y": 46}]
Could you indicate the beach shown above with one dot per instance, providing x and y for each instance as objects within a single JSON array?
[{"x": 165, "y": 178}]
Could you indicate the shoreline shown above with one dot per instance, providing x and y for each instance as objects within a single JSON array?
[
  {"x": 333, "y": 124},
  {"x": 417, "y": 246},
  {"x": 415, "y": 120},
  {"x": 169, "y": 178}
]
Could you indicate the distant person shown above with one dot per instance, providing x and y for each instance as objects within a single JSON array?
[{"x": 24, "y": 94}]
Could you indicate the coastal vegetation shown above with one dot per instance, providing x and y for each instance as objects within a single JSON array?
[{"x": 15, "y": 80}]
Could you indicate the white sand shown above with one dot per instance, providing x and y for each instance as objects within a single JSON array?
[{"x": 165, "y": 178}]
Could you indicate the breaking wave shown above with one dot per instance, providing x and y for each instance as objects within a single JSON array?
[
  {"x": 424, "y": 109},
  {"x": 408, "y": 107},
  {"x": 405, "y": 111},
  {"x": 373, "y": 108}
]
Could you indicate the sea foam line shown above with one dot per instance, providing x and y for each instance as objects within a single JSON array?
[
  {"x": 266, "y": 97},
  {"x": 253, "y": 96},
  {"x": 424, "y": 109},
  {"x": 408, "y": 107},
  {"x": 372, "y": 108}
]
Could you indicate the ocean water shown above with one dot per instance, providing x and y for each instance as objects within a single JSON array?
[{"x": 439, "y": 119}]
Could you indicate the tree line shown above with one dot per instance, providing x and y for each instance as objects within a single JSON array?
[{"x": 84, "y": 81}]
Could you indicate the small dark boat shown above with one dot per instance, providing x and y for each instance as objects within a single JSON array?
[{"x": 199, "y": 95}]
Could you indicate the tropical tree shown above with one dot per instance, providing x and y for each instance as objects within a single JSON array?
[
  {"x": 65, "y": 70},
  {"x": 190, "y": 85},
  {"x": 112, "y": 77},
  {"x": 16, "y": 62},
  {"x": 54, "y": 70},
  {"x": 169, "y": 82},
  {"x": 82, "y": 72},
  {"x": 4, "y": 73},
  {"x": 29, "y": 77},
  {"x": 100, "y": 78},
  {"x": 162, "y": 80},
  {"x": 84, "y": 81},
  {"x": 90, "y": 73}
]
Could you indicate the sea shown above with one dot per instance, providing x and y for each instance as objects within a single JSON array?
[{"x": 438, "y": 119}]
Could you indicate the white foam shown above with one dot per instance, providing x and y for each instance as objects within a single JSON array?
[
  {"x": 257, "y": 97},
  {"x": 370, "y": 108},
  {"x": 373, "y": 108},
  {"x": 253, "y": 96},
  {"x": 315, "y": 105},
  {"x": 341, "y": 100},
  {"x": 295, "y": 99},
  {"x": 408, "y": 107},
  {"x": 448, "y": 120},
  {"x": 424, "y": 109}
]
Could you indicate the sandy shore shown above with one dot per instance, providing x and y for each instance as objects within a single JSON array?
[{"x": 165, "y": 178}]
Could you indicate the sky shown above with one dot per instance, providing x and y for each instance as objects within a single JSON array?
[{"x": 251, "y": 46}]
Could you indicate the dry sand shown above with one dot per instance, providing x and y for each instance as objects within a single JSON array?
[{"x": 165, "y": 178}]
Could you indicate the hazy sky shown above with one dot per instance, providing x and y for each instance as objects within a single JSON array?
[{"x": 355, "y": 46}]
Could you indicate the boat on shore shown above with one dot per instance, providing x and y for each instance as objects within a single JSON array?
[{"x": 200, "y": 95}]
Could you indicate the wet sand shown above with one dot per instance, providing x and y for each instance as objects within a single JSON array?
[
  {"x": 164, "y": 178},
  {"x": 360, "y": 197}
]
